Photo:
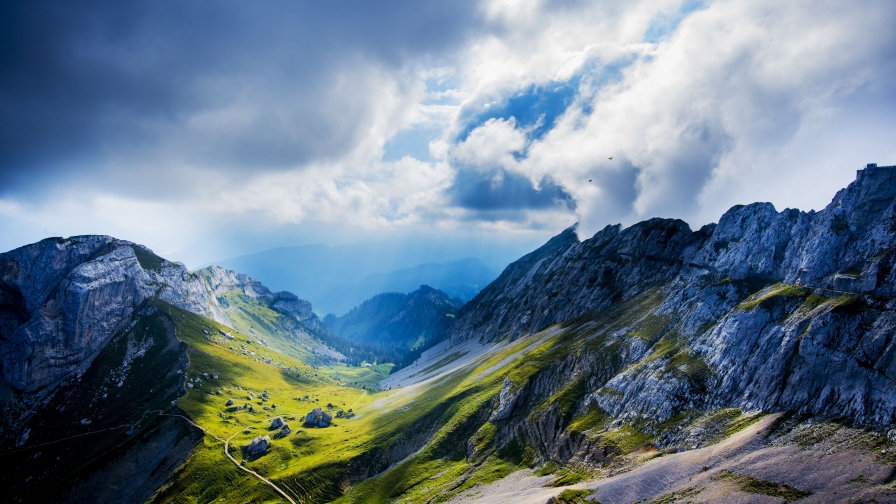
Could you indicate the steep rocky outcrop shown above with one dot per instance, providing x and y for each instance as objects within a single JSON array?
[
  {"x": 63, "y": 299},
  {"x": 111, "y": 433},
  {"x": 219, "y": 281},
  {"x": 848, "y": 244},
  {"x": 765, "y": 310},
  {"x": 566, "y": 278}
]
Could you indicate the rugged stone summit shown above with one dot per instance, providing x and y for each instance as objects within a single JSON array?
[
  {"x": 61, "y": 300},
  {"x": 765, "y": 310},
  {"x": 847, "y": 245}
]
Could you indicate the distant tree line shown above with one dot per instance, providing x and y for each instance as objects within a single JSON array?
[{"x": 355, "y": 353}]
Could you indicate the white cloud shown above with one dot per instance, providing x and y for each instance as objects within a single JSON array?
[
  {"x": 491, "y": 145},
  {"x": 741, "y": 101},
  {"x": 711, "y": 115}
]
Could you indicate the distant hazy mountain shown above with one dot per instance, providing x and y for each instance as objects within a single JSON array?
[
  {"x": 462, "y": 279},
  {"x": 399, "y": 321},
  {"x": 310, "y": 271}
]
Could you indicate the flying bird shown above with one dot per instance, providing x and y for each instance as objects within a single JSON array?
[
  {"x": 610, "y": 158},
  {"x": 589, "y": 180}
]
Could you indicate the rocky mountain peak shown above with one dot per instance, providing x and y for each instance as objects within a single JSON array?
[
  {"x": 566, "y": 278},
  {"x": 61, "y": 300},
  {"x": 75, "y": 294}
]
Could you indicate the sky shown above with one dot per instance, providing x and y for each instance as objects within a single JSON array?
[{"x": 206, "y": 130}]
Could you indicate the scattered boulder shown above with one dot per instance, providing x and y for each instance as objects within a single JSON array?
[
  {"x": 277, "y": 422},
  {"x": 508, "y": 400},
  {"x": 283, "y": 432},
  {"x": 229, "y": 402},
  {"x": 318, "y": 418},
  {"x": 258, "y": 447}
]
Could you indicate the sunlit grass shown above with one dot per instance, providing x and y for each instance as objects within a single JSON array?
[{"x": 345, "y": 462}]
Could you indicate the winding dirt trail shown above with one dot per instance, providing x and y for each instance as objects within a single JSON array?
[
  {"x": 358, "y": 399},
  {"x": 250, "y": 471},
  {"x": 232, "y": 459}
]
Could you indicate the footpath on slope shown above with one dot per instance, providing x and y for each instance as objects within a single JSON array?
[{"x": 232, "y": 459}]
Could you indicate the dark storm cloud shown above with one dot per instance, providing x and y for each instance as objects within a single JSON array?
[
  {"x": 279, "y": 83},
  {"x": 503, "y": 190}
]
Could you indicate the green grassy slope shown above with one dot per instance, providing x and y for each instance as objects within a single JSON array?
[
  {"x": 446, "y": 419},
  {"x": 421, "y": 443}
]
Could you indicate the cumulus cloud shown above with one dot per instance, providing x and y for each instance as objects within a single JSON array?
[
  {"x": 491, "y": 114},
  {"x": 711, "y": 114}
]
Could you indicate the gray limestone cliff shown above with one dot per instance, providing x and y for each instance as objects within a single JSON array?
[
  {"x": 61, "y": 300},
  {"x": 848, "y": 245},
  {"x": 765, "y": 310},
  {"x": 219, "y": 281}
]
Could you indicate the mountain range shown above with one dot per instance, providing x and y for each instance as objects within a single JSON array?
[
  {"x": 406, "y": 321},
  {"x": 752, "y": 360},
  {"x": 337, "y": 279},
  {"x": 461, "y": 279}
]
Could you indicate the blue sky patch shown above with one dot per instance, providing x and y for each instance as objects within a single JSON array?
[
  {"x": 536, "y": 106},
  {"x": 665, "y": 24},
  {"x": 412, "y": 142}
]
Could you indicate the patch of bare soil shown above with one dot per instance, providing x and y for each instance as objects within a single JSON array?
[{"x": 768, "y": 462}]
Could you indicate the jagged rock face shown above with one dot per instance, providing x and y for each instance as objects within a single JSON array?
[
  {"x": 220, "y": 281},
  {"x": 849, "y": 234},
  {"x": 733, "y": 332},
  {"x": 566, "y": 278},
  {"x": 64, "y": 299},
  {"x": 506, "y": 402}
]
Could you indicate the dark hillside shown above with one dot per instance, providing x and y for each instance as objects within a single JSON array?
[{"x": 401, "y": 321}]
